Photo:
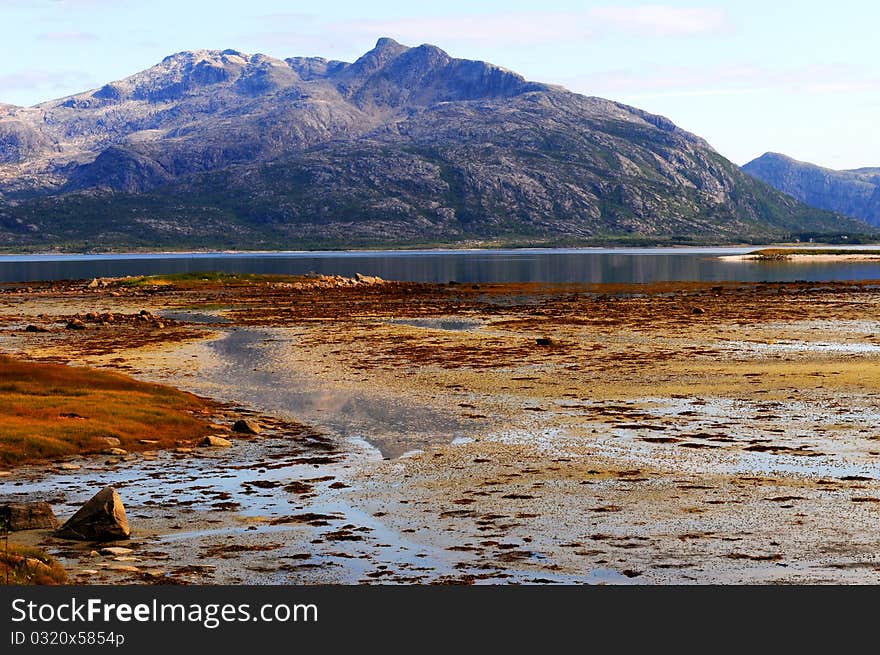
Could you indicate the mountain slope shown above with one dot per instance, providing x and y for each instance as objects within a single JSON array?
[
  {"x": 404, "y": 145},
  {"x": 854, "y": 193}
]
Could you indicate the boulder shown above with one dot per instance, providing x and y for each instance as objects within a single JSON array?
[
  {"x": 101, "y": 518},
  {"x": 246, "y": 426},
  {"x": 216, "y": 442},
  {"x": 28, "y": 516}
]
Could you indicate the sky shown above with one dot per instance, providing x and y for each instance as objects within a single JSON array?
[{"x": 749, "y": 76}]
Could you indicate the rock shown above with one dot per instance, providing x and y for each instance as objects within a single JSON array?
[
  {"x": 68, "y": 466},
  {"x": 94, "y": 284},
  {"x": 124, "y": 568},
  {"x": 35, "y": 328},
  {"x": 5, "y": 474},
  {"x": 698, "y": 310},
  {"x": 217, "y": 442},
  {"x": 246, "y": 426},
  {"x": 75, "y": 324},
  {"x": 183, "y": 450},
  {"x": 148, "y": 442},
  {"x": 101, "y": 518},
  {"x": 116, "y": 451},
  {"x": 109, "y": 441},
  {"x": 28, "y": 516},
  {"x": 116, "y": 551},
  {"x": 545, "y": 341}
]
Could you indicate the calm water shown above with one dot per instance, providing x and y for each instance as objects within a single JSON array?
[{"x": 561, "y": 265}]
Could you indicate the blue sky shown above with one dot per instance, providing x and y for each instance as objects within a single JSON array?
[{"x": 749, "y": 76}]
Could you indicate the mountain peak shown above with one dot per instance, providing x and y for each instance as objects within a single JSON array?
[{"x": 386, "y": 42}]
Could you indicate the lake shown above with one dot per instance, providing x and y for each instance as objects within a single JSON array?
[{"x": 617, "y": 265}]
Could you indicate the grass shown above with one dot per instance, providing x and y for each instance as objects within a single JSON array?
[
  {"x": 48, "y": 411},
  {"x": 189, "y": 280},
  {"x": 22, "y": 565},
  {"x": 785, "y": 253}
]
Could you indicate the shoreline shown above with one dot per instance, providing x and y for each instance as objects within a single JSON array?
[
  {"x": 676, "y": 433},
  {"x": 800, "y": 258}
]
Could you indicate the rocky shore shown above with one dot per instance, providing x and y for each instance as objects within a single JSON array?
[{"x": 669, "y": 433}]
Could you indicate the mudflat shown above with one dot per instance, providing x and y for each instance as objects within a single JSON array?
[{"x": 665, "y": 433}]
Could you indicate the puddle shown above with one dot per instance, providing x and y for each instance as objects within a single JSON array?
[
  {"x": 252, "y": 370},
  {"x": 448, "y": 324},
  {"x": 208, "y": 318},
  {"x": 803, "y": 346}
]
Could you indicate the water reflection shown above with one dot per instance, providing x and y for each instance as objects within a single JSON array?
[{"x": 633, "y": 265}]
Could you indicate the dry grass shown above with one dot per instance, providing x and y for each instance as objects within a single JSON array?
[
  {"x": 21, "y": 565},
  {"x": 51, "y": 410}
]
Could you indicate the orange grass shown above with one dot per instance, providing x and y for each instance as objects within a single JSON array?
[
  {"x": 20, "y": 565},
  {"x": 51, "y": 410}
]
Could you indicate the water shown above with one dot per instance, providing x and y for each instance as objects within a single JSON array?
[{"x": 618, "y": 265}]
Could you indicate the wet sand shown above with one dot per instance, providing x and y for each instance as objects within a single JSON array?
[{"x": 670, "y": 433}]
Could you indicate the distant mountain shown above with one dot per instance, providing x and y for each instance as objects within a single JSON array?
[
  {"x": 854, "y": 192},
  {"x": 403, "y": 146}
]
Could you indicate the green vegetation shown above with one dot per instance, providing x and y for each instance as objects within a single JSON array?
[
  {"x": 188, "y": 280},
  {"x": 787, "y": 253}
]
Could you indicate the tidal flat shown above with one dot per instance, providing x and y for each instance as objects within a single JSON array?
[{"x": 674, "y": 433}]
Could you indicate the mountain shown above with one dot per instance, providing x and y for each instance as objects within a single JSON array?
[
  {"x": 403, "y": 146},
  {"x": 854, "y": 192}
]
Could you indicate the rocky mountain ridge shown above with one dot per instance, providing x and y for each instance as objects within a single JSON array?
[
  {"x": 854, "y": 193},
  {"x": 404, "y": 145}
]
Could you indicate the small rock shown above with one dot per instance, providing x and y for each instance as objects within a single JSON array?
[
  {"x": 75, "y": 324},
  {"x": 67, "y": 466},
  {"x": 116, "y": 451},
  {"x": 698, "y": 310},
  {"x": 35, "y": 328},
  {"x": 183, "y": 450},
  {"x": 109, "y": 441},
  {"x": 116, "y": 550},
  {"x": 28, "y": 516},
  {"x": 216, "y": 442},
  {"x": 247, "y": 426},
  {"x": 93, "y": 284},
  {"x": 545, "y": 341},
  {"x": 148, "y": 442},
  {"x": 5, "y": 474},
  {"x": 124, "y": 568},
  {"x": 101, "y": 518}
]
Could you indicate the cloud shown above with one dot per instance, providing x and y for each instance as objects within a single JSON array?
[
  {"x": 735, "y": 79},
  {"x": 71, "y": 36},
  {"x": 662, "y": 21},
  {"x": 42, "y": 79},
  {"x": 519, "y": 28}
]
